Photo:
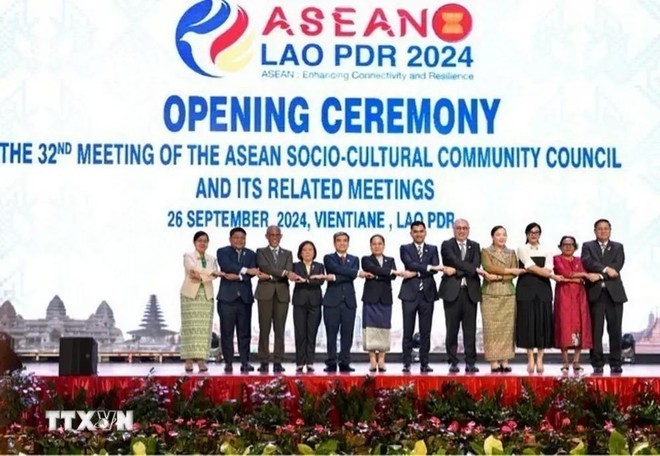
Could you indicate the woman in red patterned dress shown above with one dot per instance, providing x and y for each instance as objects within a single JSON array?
[{"x": 572, "y": 322}]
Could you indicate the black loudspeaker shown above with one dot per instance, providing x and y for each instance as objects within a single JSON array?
[
  {"x": 9, "y": 361},
  {"x": 78, "y": 356}
]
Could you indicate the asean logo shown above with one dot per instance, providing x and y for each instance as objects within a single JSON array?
[
  {"x": 452, "y": 22},
  {"x": 211, "y": 38}
]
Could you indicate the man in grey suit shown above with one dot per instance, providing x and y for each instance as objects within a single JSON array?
[
  {"x": 460, "y": 291},
  {"x": 275, "y": 269},
  {"x": 607, "y": 295}
]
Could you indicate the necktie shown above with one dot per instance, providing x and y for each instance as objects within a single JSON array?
[
  {"x": 275, "y": 254},
  {"x": 203, "y": 261},
  {"x": 602, "y": 249},
  {"x": 462, "y": 245},
  {"x": 238, "y": 258},
  {"x": 420, "y": 253},
  {"x": 342, "y": 259}
]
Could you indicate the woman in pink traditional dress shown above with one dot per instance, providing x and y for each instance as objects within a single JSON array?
[{"x": 572, "y": 322}]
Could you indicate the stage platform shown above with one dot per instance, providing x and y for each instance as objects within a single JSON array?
[{"x": 126, "y": 377}]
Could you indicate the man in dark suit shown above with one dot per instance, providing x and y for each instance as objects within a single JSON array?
[
  {"x": 275, "y": 264},
  {"x": 235, "y": 298},
  {"x": 339, "y": 303},
  {"x": 418, "y": 293},
  {"x": 460, "y": 291},
  {"x": 607, "y": 295}
]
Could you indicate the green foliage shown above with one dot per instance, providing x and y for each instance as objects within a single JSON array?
[
  {"x": 398, "y": 404},
  {"x": 452, "y": 402},
  {"x": 150, "y": 401},
  {"x": 314, "y": 409},
  {"x": 270, "y": 403},
  {"x": 488, "y": 410},
  {"x": 646, "y": 409},
  {"x": 529, "y": 408},
  {"x": 20, "y": 396},
  {"x": 355, "y": 405},
  {"x": 574, "y": 418}
]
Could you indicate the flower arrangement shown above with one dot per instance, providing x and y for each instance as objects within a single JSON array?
[{"x": 573, "y": 418}]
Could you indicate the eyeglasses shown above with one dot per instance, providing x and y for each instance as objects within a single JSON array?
[
  {"x": 462, "y": 227},
  {"x": 534, "y": 232}
]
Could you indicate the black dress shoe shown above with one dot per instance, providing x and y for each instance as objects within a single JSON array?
[
  {"x": 310, "y": 368},
  {"x": 471, "y": 369},
  {"x": 299, "y": 369},
  {"x": 263, "y": 368},
  {"x": 346, "y": 368},
  {"x": 598, "y": 370},
  {"x": 277, "y": 367},
  {"x": 373, "y": 369},
  {"x": 453, "y": 369},
  {"x": 330, "y": 368},
  {"x": 229, "y": 368},
  {"x": 496, "y": 370},
  {"x": 425, "y": 369},
  {"x": 616, "y": 370},
  {"x": 505, "y": 369},
  {"x": 406, "y": 368},
  {"x": 382, "y": 369},
  {"x": 247, "y": 367}
]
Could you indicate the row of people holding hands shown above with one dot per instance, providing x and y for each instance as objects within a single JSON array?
[{"x": 519, "y": 315}]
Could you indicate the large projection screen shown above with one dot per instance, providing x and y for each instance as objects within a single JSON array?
[{"x": 126, "y": 126}]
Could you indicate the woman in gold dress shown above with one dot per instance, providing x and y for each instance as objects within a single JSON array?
[{"x": 498, "y": 305}]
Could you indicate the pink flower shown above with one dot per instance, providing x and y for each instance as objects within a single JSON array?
[
  {"x": 506, "y": 429},
  {"x": 300, "y": 422},
  {"x": 348, "y": 425},
  {"x": 435, "y": 422},
  {"x": 178, "y": 420},
  {"x": 546, "y": 426},
  {"x": 469, "y": 428},
  {"x": 159, "y": 429},
  {"x": 565, "y": 422},
  {"x": 454, "y": 426},
  {"x": 609, "y": 426},
  {"x": 200, "y": 422}
]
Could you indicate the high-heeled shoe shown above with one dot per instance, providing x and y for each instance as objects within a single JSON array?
[
  {"x": 530, "y": 368},
  {"x": 539, "y": 368},
  {"x": 564, "y": 369},
  {"x": 382, "y": 368},
  {"x": 188, "y": 366},
  {"x": 505, "y": 369},
  {"x": 373, "y": 369},
  {"x": 203, "y": 368},
  {"x": 577, "y": 369}
]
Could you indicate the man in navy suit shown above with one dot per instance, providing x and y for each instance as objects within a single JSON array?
[
  {"x": 339, "y": 303},
  {"x": 235, "y": 298},
  {"x": 460, "y": 291},
  {"x": 418, "y": 293},
  {"x": 607, "y": 295}
]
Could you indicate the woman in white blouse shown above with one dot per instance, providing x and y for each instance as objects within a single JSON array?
[
  {"x": 197, "y": 303},
  {"x": 534, "y": 322}
]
